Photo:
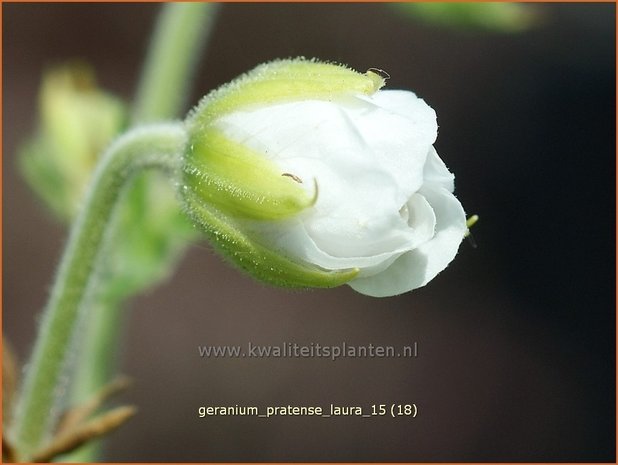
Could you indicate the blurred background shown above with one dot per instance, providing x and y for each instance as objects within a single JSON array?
[{"x": 516, "y": 337}]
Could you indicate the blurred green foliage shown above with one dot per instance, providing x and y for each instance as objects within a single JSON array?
[
  {"x": 492, "y": 16},
  {"x": 77, "y": 120},
  {"x": 149, "y": 235}
]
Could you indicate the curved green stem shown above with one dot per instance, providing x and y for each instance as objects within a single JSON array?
[
  {"x": 181, "y": 33},
  {"x": 157, "y": 146},
  {"x": 180, "y": 36}
]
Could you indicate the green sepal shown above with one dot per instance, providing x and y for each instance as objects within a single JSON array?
[
  {"x": 280, "y": 81},
  {"x": 240, "y": 182},
  {"x": 261, "y": 262}
]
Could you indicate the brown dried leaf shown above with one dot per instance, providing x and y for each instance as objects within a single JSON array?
[
  {"x": 81, "y": 434},
  {"x": 79, "y": 413},
  {"x": 8, "y": 452}
]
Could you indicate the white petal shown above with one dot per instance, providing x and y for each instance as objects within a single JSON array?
[
  {"x": 367, "y": 161},
  {"x": 421, "y": 219},
  {"x": 417, "y": 267},
  {"x": 293, "y": 239},
  {"x": 412, "y": 108},
  {"x": 436, "y": 172}
]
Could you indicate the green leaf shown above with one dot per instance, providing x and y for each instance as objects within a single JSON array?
[{"x": 492, "y": 16}]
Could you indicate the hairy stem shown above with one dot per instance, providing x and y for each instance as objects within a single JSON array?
[
  {"x": 180, "y": 36},
  {"x": 157, "y": 146}
]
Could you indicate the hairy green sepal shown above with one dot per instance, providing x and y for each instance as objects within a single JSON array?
[
  {"x": 261, "y": 262},
  {"x": 280, "y": 81},
  {"x": 240, "y": 182}
]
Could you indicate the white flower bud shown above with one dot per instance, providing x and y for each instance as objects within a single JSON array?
[{"x": 371, "y": 193}]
